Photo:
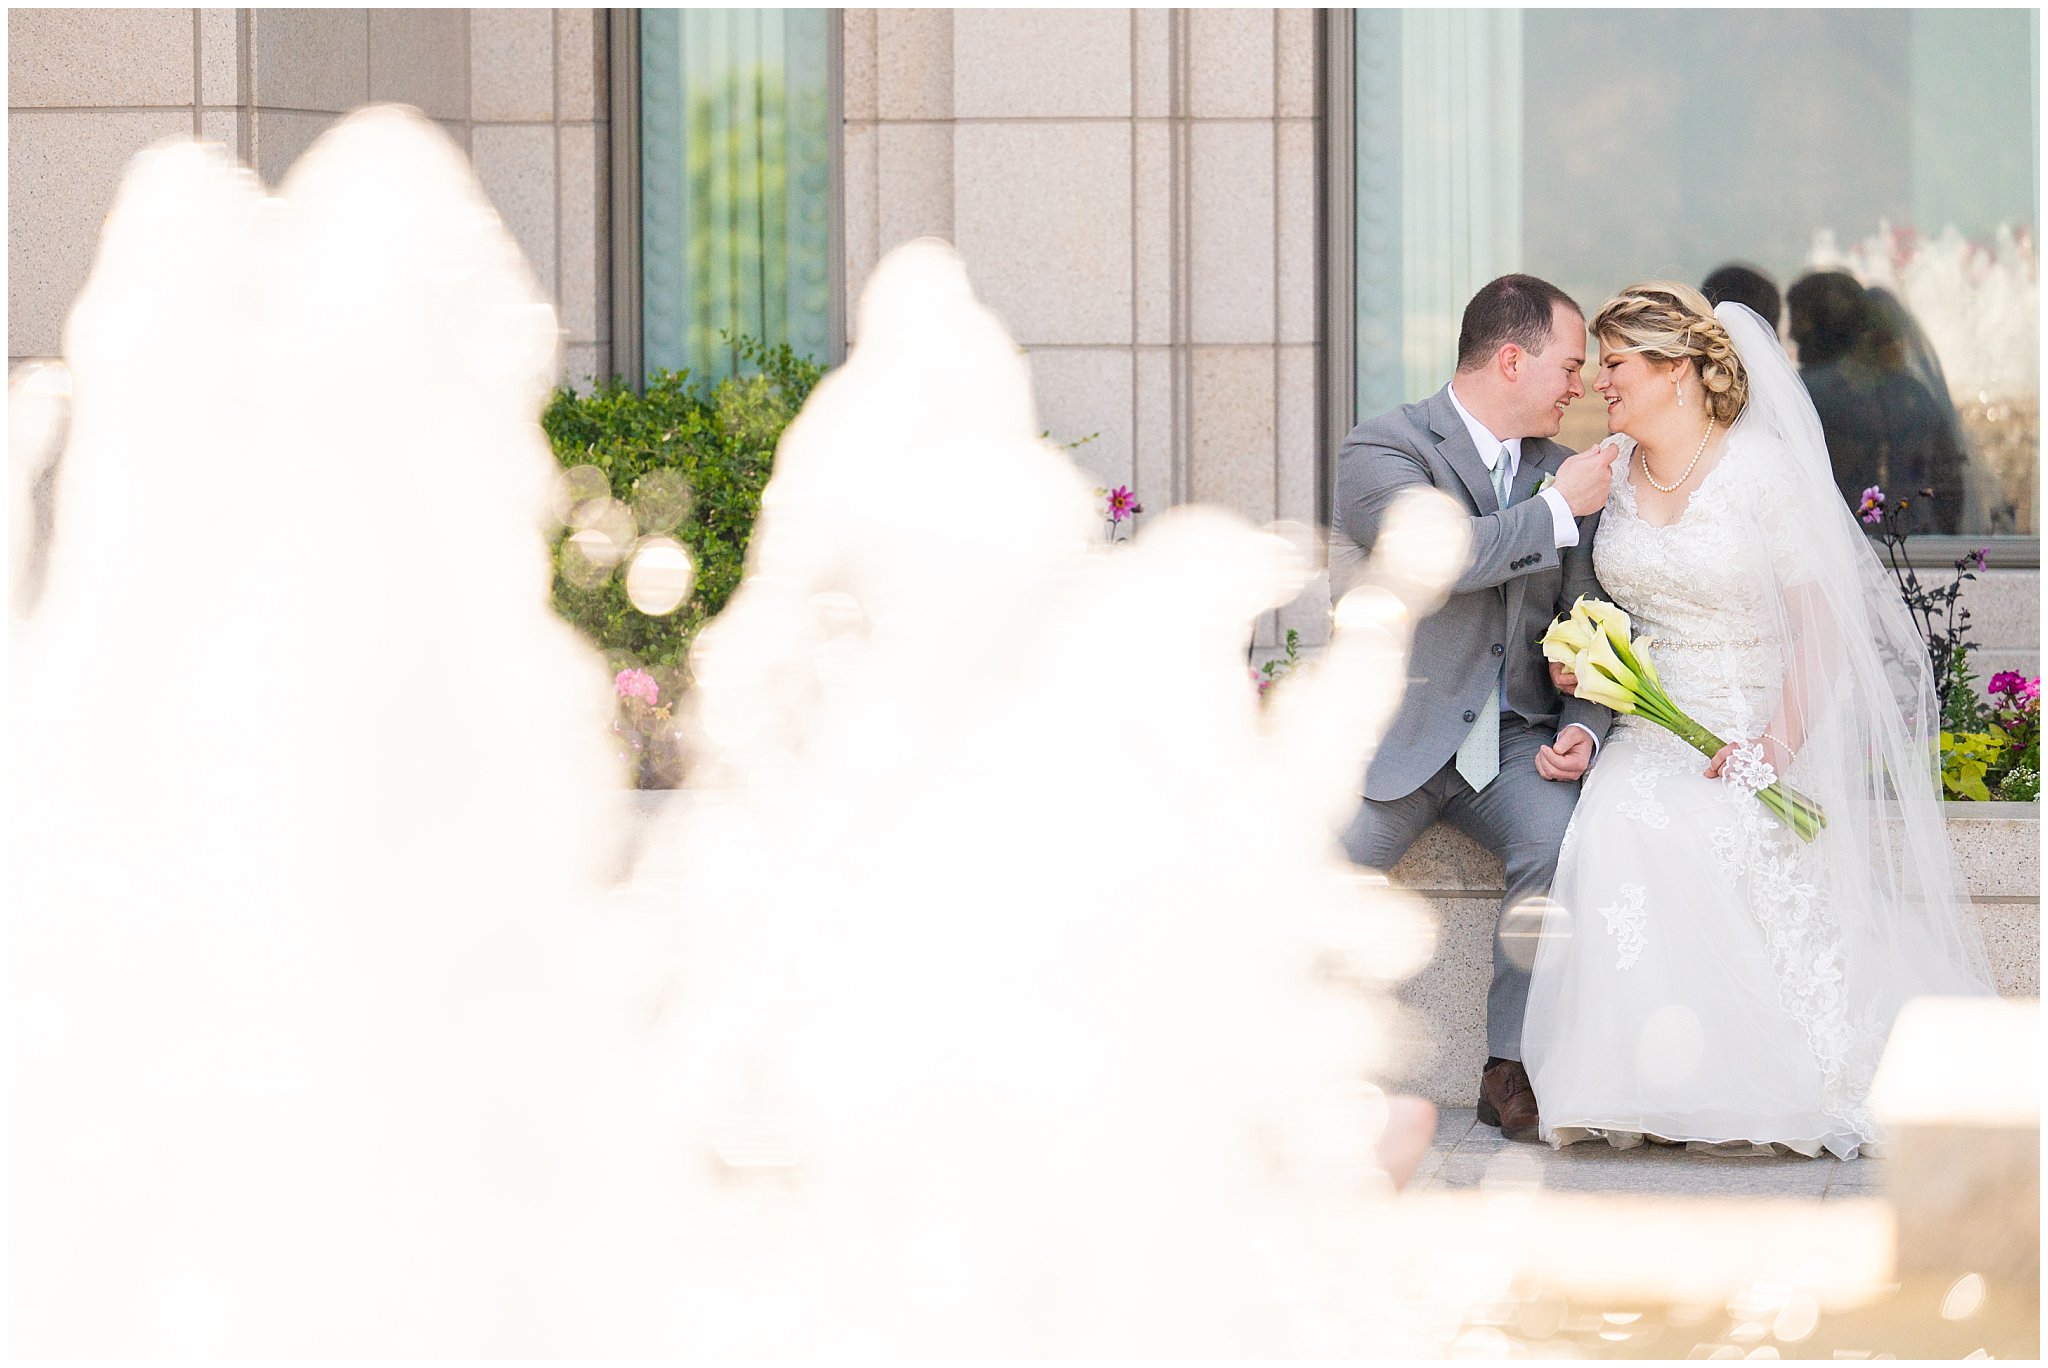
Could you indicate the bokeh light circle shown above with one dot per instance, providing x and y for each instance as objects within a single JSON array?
[
  {"x": 661, "y": 499},
  {"x": 660, "y": 576}
]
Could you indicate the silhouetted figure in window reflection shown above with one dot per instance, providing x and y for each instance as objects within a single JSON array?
[
  {"x": 1883, "y": 425},
  {"x": 1745, "y": 285},
  {"x": 1901, "y": 345}
]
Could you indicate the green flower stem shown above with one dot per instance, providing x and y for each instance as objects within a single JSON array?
[{"x": 1800, "y": 813}]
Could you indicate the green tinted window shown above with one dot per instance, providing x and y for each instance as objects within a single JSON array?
[{"x": 735, "y": 143}]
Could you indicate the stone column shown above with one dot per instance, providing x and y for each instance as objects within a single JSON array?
[
  {"x": 538, "y": 130},
  {"x": 1134, "y": 193}
]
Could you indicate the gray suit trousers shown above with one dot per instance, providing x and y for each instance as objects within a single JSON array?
[{"x": 1521, "y": 816}]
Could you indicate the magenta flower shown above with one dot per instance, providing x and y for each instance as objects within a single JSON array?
[
  {"x": 637, "y": 684},
  {"x": 1123, "y": 504},
  {"x": 2016, "y": 689},
  {"x": 1872, "y": 508},
  {"x": 1982, "y": 554}
]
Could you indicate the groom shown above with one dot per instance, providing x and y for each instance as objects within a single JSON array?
[{"x": 1482, "y": 739}]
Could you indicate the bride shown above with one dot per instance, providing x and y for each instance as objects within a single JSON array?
[{"x": 1706, "y": 976}]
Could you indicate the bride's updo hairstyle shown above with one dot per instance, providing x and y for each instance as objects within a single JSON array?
[{"x": 1666, "y": 321}]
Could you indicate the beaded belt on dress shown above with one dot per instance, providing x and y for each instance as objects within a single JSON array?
[{"x": 1666, "y": 644}]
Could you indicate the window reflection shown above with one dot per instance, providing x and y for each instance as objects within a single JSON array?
[{"x": 1866, "y": 178}]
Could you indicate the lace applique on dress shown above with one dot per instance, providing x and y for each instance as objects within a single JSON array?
[
  {"x": 1729, "y": 852},
  {"x": 1803, "y": 935},
  {"x": 1625, "y": 923},
  {"x": 1659, "y": 756}
]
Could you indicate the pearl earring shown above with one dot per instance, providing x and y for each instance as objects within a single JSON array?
[{"x": 1678, "y": 391}]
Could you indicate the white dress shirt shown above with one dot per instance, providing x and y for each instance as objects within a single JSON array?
[
  {"x": 1561, "y": 521},
  {"x": 1562, "y": 524}
]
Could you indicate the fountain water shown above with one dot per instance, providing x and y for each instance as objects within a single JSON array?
[{"x": 1011, "y": 997}]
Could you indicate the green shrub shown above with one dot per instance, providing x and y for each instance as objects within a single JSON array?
[{"x": 720, "y": 444}]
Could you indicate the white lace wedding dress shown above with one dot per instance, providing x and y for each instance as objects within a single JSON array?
[
  {"x": 1689, "y": 984},
  {"x": 1706, "y": 976}
]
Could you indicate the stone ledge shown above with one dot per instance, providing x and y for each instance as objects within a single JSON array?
[
  {"x": 1444, "y": 1027},
  {"x": 1998, "y": 846}
]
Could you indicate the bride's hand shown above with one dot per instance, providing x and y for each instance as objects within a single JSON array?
[
  {"x": 1774, "y": 753},
  {"x": 1563, "y": 680}
]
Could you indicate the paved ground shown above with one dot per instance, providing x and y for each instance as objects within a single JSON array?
[{"x": 1466, "y": 1152}]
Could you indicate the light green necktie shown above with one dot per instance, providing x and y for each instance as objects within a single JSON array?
[{"x": 1479, "y": 757}]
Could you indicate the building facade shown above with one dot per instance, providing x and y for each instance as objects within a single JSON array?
[{"x": 1221, "y": 235}]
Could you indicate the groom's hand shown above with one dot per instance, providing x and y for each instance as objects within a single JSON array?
[
  {"x": 1583, "y": 479},
  {"x": 1569, "y": 757}
]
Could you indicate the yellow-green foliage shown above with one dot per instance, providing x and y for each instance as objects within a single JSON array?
[{"x": 1966, "y": 757}]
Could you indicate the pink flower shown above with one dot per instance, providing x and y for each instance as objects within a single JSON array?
[
  {"x": 1123, "y": 504},
  {"x": 1872, "y": 507},
  {"x": 637, "y": 684},
  {"x": 2010, "y": 683}
]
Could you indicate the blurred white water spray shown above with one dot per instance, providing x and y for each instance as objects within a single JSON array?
[{"x": 1012, "y": 997}]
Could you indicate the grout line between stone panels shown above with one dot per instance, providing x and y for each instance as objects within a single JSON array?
[
  {"x": 147, "y": 109},
  {"x": 555, "y": 109},
  {"x": 1136, "y": 247},
  {"x": 875, "y": 244},
  {"x": 289, "y": 109},
  {"x": 245, "y": 91},
  {"x": 875, "y": 247},
  {"x": 1278, "y": 512},
  {"x": 1425, "y": 1174},
  {"x": 468, "y": 119},
  {"x": 198, "y": 72},
  {"x": 1180, "y": 191},
  {"x": 1005, "y": 119},
  {"x": 1125, "y": 344}
]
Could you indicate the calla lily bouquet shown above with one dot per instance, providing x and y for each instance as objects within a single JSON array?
[{"x": 1593, "y": 641}]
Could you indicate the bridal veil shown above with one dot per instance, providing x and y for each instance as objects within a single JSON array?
[{"x": 1860, "y": 708}]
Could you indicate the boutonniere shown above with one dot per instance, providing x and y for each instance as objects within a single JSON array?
[{"x": 1547, "y": 482}]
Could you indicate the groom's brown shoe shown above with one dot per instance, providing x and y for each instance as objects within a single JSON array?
[{"x": 1507, "y": 1101}]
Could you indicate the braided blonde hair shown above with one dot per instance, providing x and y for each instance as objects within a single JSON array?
[{"x": 1666, "y": 321}]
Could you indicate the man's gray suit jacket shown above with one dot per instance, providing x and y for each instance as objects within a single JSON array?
[{"x": 1516, "y": 580}]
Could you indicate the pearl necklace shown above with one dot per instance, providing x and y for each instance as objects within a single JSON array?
[{"x": 1668, "y": 488}]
